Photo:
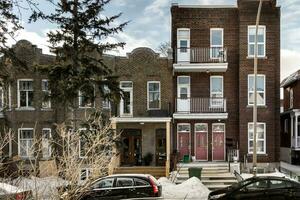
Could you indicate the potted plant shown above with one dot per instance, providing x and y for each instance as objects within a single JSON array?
[{"x": 148, "y": 158}]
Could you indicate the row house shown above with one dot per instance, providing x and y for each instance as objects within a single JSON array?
[
  {"x": 213, "y": 49},
  {"x": 290, "y": 126}
]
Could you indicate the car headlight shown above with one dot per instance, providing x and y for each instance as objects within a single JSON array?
[{"x": 217, "y": 196}]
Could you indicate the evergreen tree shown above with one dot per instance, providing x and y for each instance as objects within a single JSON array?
[{"x": 79, "y": 44}]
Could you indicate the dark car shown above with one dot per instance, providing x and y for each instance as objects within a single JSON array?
[
  {"x": 14, "y": 193},
  {"x": 271, "y": 188},
  {"x": 121, "y": 186}
]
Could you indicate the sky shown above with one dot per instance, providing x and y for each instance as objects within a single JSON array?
[{"x": 150, "y": 25}]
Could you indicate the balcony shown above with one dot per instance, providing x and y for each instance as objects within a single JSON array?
[
  {"x": 200, "y": 60},
  {"x": 200, "y": 108},
  {"x": 296, "y": 142}
]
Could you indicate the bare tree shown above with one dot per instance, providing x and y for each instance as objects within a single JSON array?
[{"x": 163, "y": 48}]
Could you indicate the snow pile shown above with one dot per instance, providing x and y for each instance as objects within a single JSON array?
[
  {"x": 43, "y": 188},
  {"x": 189, "y": 189}
]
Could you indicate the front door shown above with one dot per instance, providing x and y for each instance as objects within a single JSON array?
[
  {"x": 201, "y": 142},
  {"x": 218, "y": 142},
  {"x": 183, "y": 139},
  {"x": 183, "y": 44},
  {"x": 131, "y": 153},
  {"x": 160, "y": 147},
  {"x": 183, "y": 94}
]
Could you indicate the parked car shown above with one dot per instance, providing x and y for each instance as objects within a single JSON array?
[
  {"x": 271, "y": 188},
  {"x": 11, "y": 192},
  {"x": 120, "y": 186}
]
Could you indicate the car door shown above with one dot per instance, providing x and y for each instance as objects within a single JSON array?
[
  {"x": 280, "y": 189},
  {"x": 142, "y": 188},
  {"x": 102, "y": 189},
  {"x": 124, "y": 188},
  {"x": 255, "y": 190}
]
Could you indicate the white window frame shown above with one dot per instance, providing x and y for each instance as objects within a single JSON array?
[
  {"x": 264, "y": 140},
  {"x": 215, "y": 46},
  {"x": 183, "y": 38},
  {"x": 258, "y": 43},
  {"x": 19, "y": 97},
  {"x": 46, "y": 91},
  {"x": 88, "y": 173},
  {"x": 87, "y": 105},
  {"x": 19, "y": 140},
  {"x": 49, "y": 143},
  {"x": 2, "y": 98},
  {"x": 79, "y": 143},
  {"x": 291, "y": 94},
  {"x": 148, "y": 95},
  {"x": 106, "y": 102},
  {"x": 258, "y": 92},
  {"x": 130, "y": 90},
  {"x": 190, "y": 133},
  {"x": 188, "y": 85},
  {"x": 219, "y": 101}
]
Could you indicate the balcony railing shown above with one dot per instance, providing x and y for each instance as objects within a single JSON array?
[
  {"x": 201, "y": 55},
  {"x": 200, "y": 105},
  {"x": 296, "y": 142}
]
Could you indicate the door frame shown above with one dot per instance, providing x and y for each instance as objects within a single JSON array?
[
  {"x": 187, "y": 38},
  {"x": 195, "y": 141},
  {"x": 184, "y": 132},
  {"x": 212, "y": 141},
  {"x": 188, "y": 100},
  {"x": 211, "y": 104},
  {"x": 127, "y": 134}
]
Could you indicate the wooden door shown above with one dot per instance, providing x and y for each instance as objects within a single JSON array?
[
  {"x": 131, "y": 153},
  {"x": 160, "y": 146},
  {"x": 201, "y": 148},
  {"x": 218, "y": 142}
]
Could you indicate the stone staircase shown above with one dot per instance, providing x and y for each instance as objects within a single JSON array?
[{"x": 214, "y": 175}]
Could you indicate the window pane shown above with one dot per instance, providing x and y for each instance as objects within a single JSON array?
[
  {"x": 259, "y": 185},
  {"x": 30, "y": 99},
  {"x": 23, "y": 99},
  {"x": 201, "y": 127},
  {"x": 260, "y": 83},
  {"x": 153, "y": 87},
  {"x": 219, "y": 127},
  {"x": 183, "y": 43},
  {"x": 216, "y": 84},
  {"x": 183, "y": 128},
  {"x": 183, "y": 80},
  {"x": 141, "y": 182},
  {"x": 127, "y": 84},
  {"x": 260, "y": 98},
  {"x": 216, "y": 37},
  {"x": 260, "y": 51},
  {"x": 260, "y": 146},
  {"x": 106, "y": 183},
  {"x": 45, "y": 86},
  {"x": 251, "y": 49},
  {"x": 124, "y": 182},
  {"x": 183, "y": 33},
  {"x": 126, "y": 102}
]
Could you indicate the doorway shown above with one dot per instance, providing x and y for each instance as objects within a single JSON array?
[
  {"x": 131, "y": 151},
  {"x": 160, "y": 146}
]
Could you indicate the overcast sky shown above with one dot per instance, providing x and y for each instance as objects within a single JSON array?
[{"x": 150, "y": 25}]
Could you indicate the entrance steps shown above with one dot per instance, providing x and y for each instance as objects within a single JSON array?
[
  {"x": 155, "y": 171},
  {"x": 214, "y": 175}
]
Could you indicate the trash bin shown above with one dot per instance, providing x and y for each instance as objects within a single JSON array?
[
  {"x": 195, "y": 171},
  {"x": 186, "y": 158}
]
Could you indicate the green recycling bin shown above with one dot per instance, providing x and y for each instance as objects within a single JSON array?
[
  {"x": 195, "y": 171},
  {"x": 186, "y": 158}
]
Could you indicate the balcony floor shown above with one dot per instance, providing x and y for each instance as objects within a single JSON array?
[{"x": 200, "y": 115}]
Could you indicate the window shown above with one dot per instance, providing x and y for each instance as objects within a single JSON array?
[
  {"x": 183, "y": 128},
  {"x": 46, "y": 103},
  {"x": 258, "y": 185},
  {"x": 105, "y": 101},
  {"x": 126, "y": 104},
  {"x": 216, "y": 91},
  {"x": 1, "y": 98},
  {"x": 216, "y": 42},
  {"x": 261, "y": 138},
  {"x": 25, "y": 93},
  {"x": 141, "y": 182},
  {"x": 25, "y": 142},
  {"x": 183, "y": 87},
  {"x": 201, "y": 127},
  {"x": 291, "y": 98},
  {"x": 46, "y": 142},
  {"x": 84, "y": 174},
  {"x": 183, "y": 36},
  {"x": 280, "y": 184},
  {"x": 286, "y": 128},
  {"x": 85, "y": 101},
  {"x": 124, "y": 182},
  {"x": 261, "y": 90},
  {"x": 153, "y": 97},
  {"x": 82, "y": 145},
  {"x": 105, "y": 183},
  {"x": 261, "y": 41}
]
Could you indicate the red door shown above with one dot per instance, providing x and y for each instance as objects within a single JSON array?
[
  {"x": 218, "y": 140},
  {"x": 183, "y": 144},
  {"x": 201, "y": 145}
]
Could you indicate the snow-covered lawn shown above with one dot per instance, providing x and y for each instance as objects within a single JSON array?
[{"x": 190, "y": 189}]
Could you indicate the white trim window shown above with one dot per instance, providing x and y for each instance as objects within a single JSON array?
[
  {"x": 261, "y": 89},
  {"x": 46, "y": 103},
  {"x": 260, "y": 138},
  {"x": 46, "y": 143},
  {"x": 1, "y": 98},
  {"x": 153, "y": 95},
  {"x": 84, "y": 174},
  {"x": 25, "y": 143},
  {"x": 105, "y": 101},
  {"x": 25, "y": 93},
  {"x": 84, "y": 101},
  {"x": 126, "y": 103},
  {"x": 183, "y": 87},
  {"x": 82, "y": 143},
  {"x": 216, "y": 91},
  {"x": 261, "y": 41},
  {"x": 216, "y": 42},
  {"x": 291, "y": 93}
]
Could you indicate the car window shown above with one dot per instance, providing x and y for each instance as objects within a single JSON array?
[
  {"x": 275, "y": 184},
  {"x": 124, "y": 182},
  {"x": 258, "y": 185},
  {"x": 105, "y": 183},
  {"x": 141, "y": 182}
]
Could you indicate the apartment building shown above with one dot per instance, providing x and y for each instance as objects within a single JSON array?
[
  {"x": 213, "y": 49},
  {"x": 290, "y": 129}
]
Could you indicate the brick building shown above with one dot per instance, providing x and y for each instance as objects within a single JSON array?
[
  {"x": 290, "y": 130},
  {"x": 213, "y": 48}
]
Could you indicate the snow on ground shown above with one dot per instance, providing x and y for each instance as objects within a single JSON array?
[
  {"x": 189, "y": 189},
  {"x": 43, "y": 188}
]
